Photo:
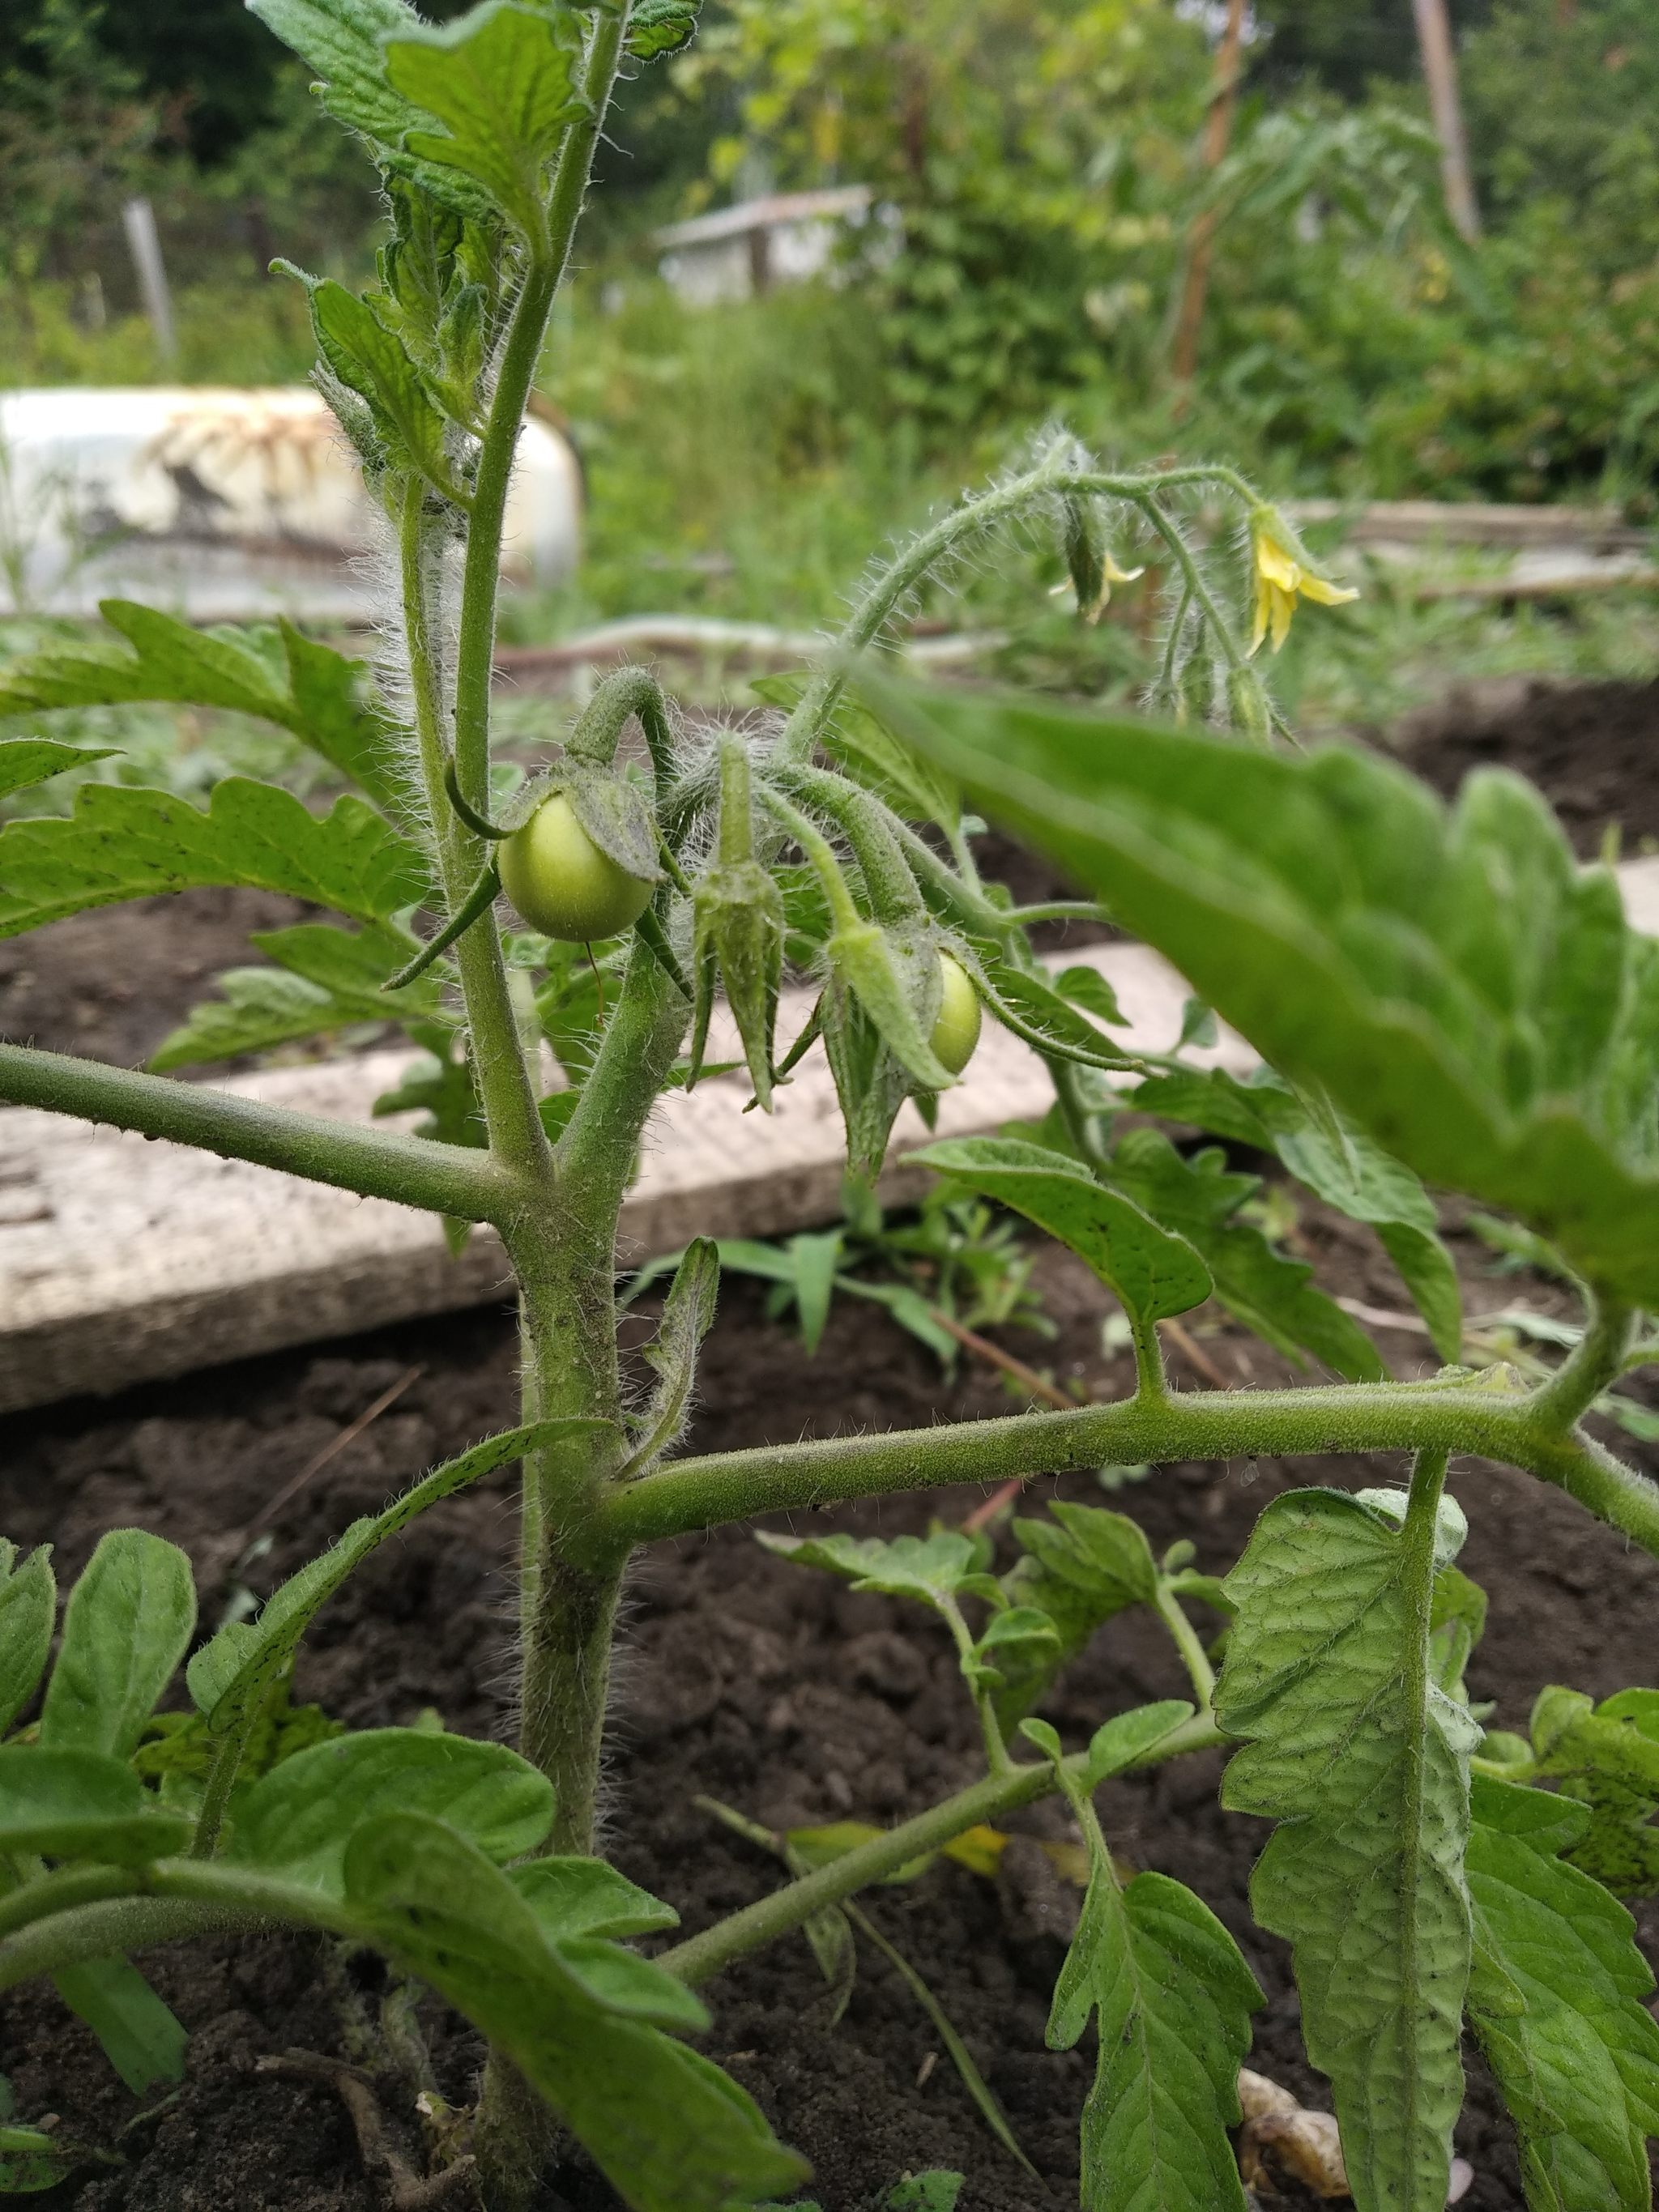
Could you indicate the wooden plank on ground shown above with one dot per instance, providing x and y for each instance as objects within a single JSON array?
[{"x": 122, "y": 1259}]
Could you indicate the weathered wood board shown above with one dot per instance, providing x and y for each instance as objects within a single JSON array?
[{"x": 122, "y": 1259}]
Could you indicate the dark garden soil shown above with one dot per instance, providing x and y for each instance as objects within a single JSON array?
[
  {"x": 739, "y": 1677},
  {"x": 1592, "y": 749},
  {"x": 742, "y": 1677}
]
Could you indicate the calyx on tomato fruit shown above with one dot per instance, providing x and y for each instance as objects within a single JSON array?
[
  {"x": 563, "y": 883},
  {"x": 957, "y": 1026}
]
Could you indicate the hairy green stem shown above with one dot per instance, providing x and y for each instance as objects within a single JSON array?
[
  {"x": 1049, "y": 479},
  {"x": 763, "y": 1922},
  {"x": 498, "y": 1065},
  {"x": 1457, "y": 1417},
  {"x": 569, "y": 1570},
  {"x": 1418, "y": 1567},
  {"x": 375, "y": 1162},
  {"x": 515, "y": 373},
  {"x": 1187, "y": 1642},
  {"x": 1597, "y": 1359}
]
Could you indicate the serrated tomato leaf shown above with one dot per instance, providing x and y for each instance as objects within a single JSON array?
[
  {"x": 930, "y": 1569},
  {"x": 1557, "y": 2003},
  {"x": 123, "y": 844},
  {"x": 27, "y": 761},
  {"x": 1153, "y": 1272},
  {"x": 1174, "y": 1999},
  {"x": 1275, "y": 1297},
  {"x": 1363, "y": 1761},
  {"x": 1607, "y": 1757},
  {"x": 1080, "y": 1567},
  {"x": 499, "y": 79},
  {"x": 315, "y": 693}
]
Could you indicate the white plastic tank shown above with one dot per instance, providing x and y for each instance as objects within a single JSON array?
[{"x": 224, "y": 505}]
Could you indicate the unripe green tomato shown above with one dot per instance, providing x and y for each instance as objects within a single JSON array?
[
  {"x": 956, "y": 1031},
  {"x": 563, "y": 883}
]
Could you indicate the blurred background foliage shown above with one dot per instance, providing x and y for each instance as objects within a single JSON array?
[{"x": 1037, "y": 165}]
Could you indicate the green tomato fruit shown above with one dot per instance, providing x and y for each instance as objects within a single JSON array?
[
  {"x": 563, "y": 883},
  {"x": 956, "y": 1031}
]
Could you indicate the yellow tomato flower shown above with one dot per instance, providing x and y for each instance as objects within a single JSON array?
[{"x": 1282, "y": 575}]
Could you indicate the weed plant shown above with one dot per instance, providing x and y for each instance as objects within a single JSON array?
[{"x": 1441, "y": 999}]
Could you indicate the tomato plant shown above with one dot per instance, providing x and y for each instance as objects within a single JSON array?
[{"x": 1439, "y": 998}]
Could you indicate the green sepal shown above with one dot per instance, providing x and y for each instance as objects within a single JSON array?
[
  {"x": 738, "y": 933},
  {"x": 893, "y": 974}
]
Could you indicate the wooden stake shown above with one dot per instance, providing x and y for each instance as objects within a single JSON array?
[
  {"x": 1440, "y": 72},
  {"x": 1218, "y": 129}
]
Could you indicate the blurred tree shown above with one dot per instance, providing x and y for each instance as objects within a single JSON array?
[{"x": 1345, "y": 45}]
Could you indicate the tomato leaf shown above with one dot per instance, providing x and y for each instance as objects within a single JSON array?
[
  {"x": 498, "y": 80},
  {"x": 1607, "y": 1757},
  {"x": 325, "y": 700},
  {"x": 28, "y": 1612},
  {"x": 121, "y": 844},
  {"x": 296, "y": 1821},
  {"x": 1174, "y": 2000},
  {"x": 1340, "y": 1163},
  {"x": 324, "y": 979},
  {"x": 126, "y": 1626},
  {"x": 671, "y": 2131},
  {"x": 1556, "y": 2002},
  {"x": 1366, "y": 1772},
  {"x": 930, "y": 1569},
  {"x": 1274, "y": 1297},
  {"x": 586, "y": 1896},
  {"x": 1153, "y": 1272},
  {"x": 26, "y": 761},
  {"x": 1462, "y": 989},
  {"x": 343, "y": 41},
  {"x": 1080, "y": 1567},
  {"x": 142, "y": 2038},
  {"x": 82, "y": 1804}
]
